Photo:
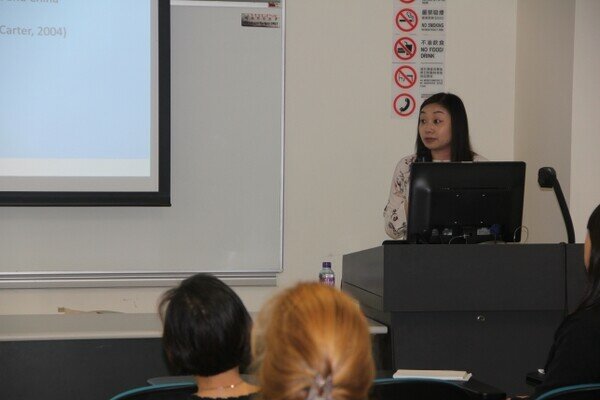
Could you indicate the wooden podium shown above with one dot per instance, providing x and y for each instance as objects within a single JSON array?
[{"x": 490, "y": 309}]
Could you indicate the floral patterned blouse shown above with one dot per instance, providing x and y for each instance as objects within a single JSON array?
[{"x": 396, "y": 209}]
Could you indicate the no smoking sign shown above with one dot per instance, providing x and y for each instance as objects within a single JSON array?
[{"x": 407, "y": 20}]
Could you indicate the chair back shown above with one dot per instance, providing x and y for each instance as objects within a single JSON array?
[
  {"x": 588, "y": 391},
  {"x": 166, "y": 391},
  {"x": 417, "y": 389}
]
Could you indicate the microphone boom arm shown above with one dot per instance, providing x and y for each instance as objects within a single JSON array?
[{"x": 546, "y": 179}]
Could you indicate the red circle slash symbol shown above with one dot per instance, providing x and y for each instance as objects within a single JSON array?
[
  {"x": 407, "y": 1},
  {"x": 405, "y": 76},
  {"x": 405, "y": 48},
  {"x": 407, "y": 20},
  {"x": 404, "y": 104}
]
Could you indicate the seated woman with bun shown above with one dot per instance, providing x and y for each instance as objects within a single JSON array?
[
  {"x": 207, "y": 334},
  {"x": 312, "y": 342}
]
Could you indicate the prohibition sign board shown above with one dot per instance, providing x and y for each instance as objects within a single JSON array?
[
  {"x": 404, "y": 104},
  {"x": 405, "y": 48},
  {"x": 407, "y": 20},
  {"x": 405, "y": 76}
]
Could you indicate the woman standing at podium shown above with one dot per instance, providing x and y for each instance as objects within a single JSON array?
[{"x": 442, "y": 135}]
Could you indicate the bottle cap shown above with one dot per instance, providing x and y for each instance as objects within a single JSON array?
[{"x": 326, "y": 264}]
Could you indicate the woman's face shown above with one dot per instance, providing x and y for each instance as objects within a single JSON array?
[
  {"x": 435, "y": 130},
  {"x": 587, "y": 251}
]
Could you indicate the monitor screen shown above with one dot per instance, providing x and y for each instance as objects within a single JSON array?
[
  {"x": 84, "y": 116},
  {"x": 465, "y": 202}
]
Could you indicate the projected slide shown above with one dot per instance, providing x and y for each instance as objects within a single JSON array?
[{"x": 76, "y": 85}]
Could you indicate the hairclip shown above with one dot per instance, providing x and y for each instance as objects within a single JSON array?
[{"x": 321, "y": 388}]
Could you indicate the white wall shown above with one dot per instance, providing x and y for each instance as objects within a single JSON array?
[
  {"x": 544, "y": 76},
  {"x": 585, "y": 132},
  {"x": 557, "y": 97},
  {"x": 341, "y": 142},
  {"x": 481, "y": 70}
]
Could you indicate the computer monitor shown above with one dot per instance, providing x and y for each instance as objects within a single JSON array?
[{"x": 465, "y": 202}]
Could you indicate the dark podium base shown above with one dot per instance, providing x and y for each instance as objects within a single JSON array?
[{"x": 489, "y": 309}]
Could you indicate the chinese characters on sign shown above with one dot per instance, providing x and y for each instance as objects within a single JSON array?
[
  {"x": 419, "y": 52},
  {"x": 260, "y": 20}
]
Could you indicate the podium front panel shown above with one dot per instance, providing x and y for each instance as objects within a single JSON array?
[{"x": 458, "y": 277}]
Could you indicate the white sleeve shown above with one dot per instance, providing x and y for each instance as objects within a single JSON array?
[{"x": 394, "y": 213}]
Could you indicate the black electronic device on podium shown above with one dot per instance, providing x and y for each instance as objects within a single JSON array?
[
  {"x": 465, "y": 202},
  {"x": 490, "y": 309}
]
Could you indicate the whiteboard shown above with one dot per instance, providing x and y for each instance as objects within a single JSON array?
[{"x": 226, "y": 174}]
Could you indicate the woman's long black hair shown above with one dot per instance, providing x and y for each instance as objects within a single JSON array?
[
  {"x": 591, "y": 298},
  {"x": 460, "y": 145}
]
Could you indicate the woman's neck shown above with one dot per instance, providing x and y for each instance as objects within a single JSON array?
[
  {"x": 441, "y": 155},
  {"x": 226, "y": 384}
]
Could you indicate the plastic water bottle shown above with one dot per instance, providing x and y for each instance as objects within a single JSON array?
[{"x": 326, "y": 275}]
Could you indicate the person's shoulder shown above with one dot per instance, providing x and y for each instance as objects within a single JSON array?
[
  {"x": 589, "y": 318},
  {"x": 404, "y": 165},
  {"x": 411, "y": 158},
  {"x": 251, "y": 396},
  {"x": 405, "y": 162},
  {"x": 580, "y": 325}
]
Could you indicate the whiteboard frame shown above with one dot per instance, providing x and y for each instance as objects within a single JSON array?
[
  {"x": 114, "y": 279},
  {"x": 46, "y": 280}
]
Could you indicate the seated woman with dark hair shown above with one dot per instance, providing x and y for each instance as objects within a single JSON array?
[
  {"x": 207, "y": 334},
  {"x": 575, "y": 355}
]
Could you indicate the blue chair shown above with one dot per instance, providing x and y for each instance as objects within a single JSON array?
[
  {"x": 587, "y": 391},
  {"x": 165, "y": 391},
  {"x": 382, "y": 389},
  {"x": 432, "y": 389}
]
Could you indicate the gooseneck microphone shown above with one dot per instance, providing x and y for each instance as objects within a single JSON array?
[{"x": 547, "y": 179}]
